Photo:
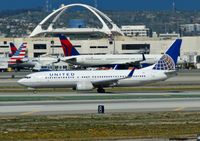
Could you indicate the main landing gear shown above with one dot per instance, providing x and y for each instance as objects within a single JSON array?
[
  {"x": 101, "y": 90},
  {"x": 33, "y": 90}
]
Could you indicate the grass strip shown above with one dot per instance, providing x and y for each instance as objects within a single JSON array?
[
  {"x": 104, "y": 126},
  {"x": 93, "y": 97}
]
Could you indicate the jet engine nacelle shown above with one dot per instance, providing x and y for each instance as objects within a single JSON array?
[{"x": 84, "y": 86}]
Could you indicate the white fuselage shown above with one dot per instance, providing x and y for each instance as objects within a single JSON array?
[
  {"x": 109, "y": 59},
  {"x": 70, "y": 79},
  {"x": 44, "y": 60}
]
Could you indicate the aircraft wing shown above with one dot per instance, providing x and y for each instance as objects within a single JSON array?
[
  {"x": 135, "y": 62},
  {"x": 111, "y": 82},
  {"x": 71, "y": 60},
  {"x": 171, "y": 73},
  {"x": 105, "y": 83}
]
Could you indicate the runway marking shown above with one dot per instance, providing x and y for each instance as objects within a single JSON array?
[
  {"x": 29, "y": 113},
  {"x": 179, "y": 109}
]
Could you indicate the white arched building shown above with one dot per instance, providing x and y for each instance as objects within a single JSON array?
[
  {"x": 91, "y": 45},
  {"x": 53, "y": 17}
]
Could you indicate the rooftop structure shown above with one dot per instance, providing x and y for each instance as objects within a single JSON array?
[
  {"x": 190, "y": 27},
  {"x": 47, "y": 25},
  {"x": 169, "y": 35},
  {"x": 135, "y": 30}
]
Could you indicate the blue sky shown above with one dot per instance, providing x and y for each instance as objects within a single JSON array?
[{"x": 107, "y": 4}]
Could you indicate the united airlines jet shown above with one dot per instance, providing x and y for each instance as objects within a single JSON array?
[{"x": 88, "y": 80}]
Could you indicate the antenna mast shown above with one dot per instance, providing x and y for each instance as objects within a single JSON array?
[
  {"x": 48, "y": 6},
  {"x": 95, "y": 4},
  {"x": 173, "y": 6}
]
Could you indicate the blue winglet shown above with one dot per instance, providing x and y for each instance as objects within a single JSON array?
[{"x": 131, "y": 73}]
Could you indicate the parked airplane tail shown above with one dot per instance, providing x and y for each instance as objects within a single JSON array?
[
  {"x": 13, "y": 49},
  {"x": 19, "y": 54},
  {"x": 169, "y": 60},
  {"x": 68, "y": 48}
]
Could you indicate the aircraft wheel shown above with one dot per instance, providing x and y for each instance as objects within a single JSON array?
[
  {"x": 34, "y": 92},
  {"x": 101, "y": 90}
]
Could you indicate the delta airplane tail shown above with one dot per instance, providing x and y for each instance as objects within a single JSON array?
[
  {"x": 13, "y": 49},
  {"x": 169, "y": 60},
  {"x": 19, "y": 54},
  {"x": 68, "y": 48}
]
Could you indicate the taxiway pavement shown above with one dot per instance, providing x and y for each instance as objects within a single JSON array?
[{"x": 140, "y": 102}]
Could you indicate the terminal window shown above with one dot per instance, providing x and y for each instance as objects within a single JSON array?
[
  {"x": 98, "y": 46},
  {"x": 145, "y": 48},
  {"x": 77, "y": 46},
  {"x": 40, "y": 46},
  {"x": 4, "y": 46},
  {"x": 55, "y": 46},
  {"x": 58, "y": 46},
  {"x": 102, "y": 46},
  {"x": 38, "y": 54}
]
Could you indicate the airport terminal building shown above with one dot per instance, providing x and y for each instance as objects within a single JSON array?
[
  {"x": 104, "y": 40},
  {"x": 120, "y": 45}
]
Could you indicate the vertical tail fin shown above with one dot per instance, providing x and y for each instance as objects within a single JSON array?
[
  {"x": 13, "y": 49},
  {"x": 169, "y": 60},
  {"x": 19, "y": 54},
  {"x": 68, "y": 48}
]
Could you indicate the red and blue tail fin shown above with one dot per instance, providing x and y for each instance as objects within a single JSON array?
[
  {"x": 13, "y": 49},
  {"x": 169, "y": 60},
  {"x": 68, "y": 48},
  {"x": 19, "y": 54}
]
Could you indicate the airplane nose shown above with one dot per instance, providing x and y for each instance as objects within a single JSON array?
[{"x": 21, "y": 82}]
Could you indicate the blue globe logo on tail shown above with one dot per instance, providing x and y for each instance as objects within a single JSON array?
[
  {"x": 169, "y": 60},
  {"x": 165, "y": 63}
]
